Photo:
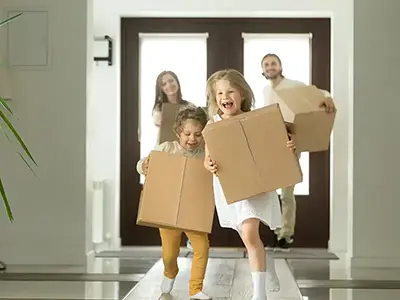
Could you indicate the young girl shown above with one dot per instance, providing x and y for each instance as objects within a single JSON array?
[
  {"x": 189, "y": 123},
  {"x": 229, "y": 95}
]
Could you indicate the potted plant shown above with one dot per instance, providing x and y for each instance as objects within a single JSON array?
[{"x": 12, "y": 135}]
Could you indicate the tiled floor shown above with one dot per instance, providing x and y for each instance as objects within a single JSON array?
[
  {"x": 349, "y": 294},
  {"x": 110, "y": 278},
  {"x": 225, "y": 279},
  {"x": 330, "y": 280},
  {"x": 64, "y": 290},
  {"x": 314, "y": 273}
]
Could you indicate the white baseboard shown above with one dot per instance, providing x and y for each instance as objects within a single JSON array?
[
  {"x": 374, "y": 268},
  {"x": 375, "y": 262},
  {"x": 104, "y": 246}
]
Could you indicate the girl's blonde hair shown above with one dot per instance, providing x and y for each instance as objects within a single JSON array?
[
  {"x": 237, "y": 81},
  {"x": 190, "y": 112}
]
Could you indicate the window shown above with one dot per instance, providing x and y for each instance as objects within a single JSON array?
[
  {"x": 185, "y": 55},
  {"x": 294, "y": 50}
]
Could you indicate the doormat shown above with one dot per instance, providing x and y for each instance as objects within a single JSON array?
[{"x": 155, "y": 252}]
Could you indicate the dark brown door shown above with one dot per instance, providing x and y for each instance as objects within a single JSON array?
[{"x": 312, "y": 226}]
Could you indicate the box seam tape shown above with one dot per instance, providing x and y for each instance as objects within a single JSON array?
[{"x": 180, "y": 191}]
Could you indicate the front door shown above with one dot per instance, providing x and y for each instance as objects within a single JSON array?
[{"x": 194, "y": 49}]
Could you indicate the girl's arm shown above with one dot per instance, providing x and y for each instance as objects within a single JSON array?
[
  {"x": 206, "y": 156},
  {"x": 209, "y": 164},
  {"x": 206, "y": 152}
]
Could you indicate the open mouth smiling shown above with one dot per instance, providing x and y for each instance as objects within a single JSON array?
[{"x": 227, "y": 104}]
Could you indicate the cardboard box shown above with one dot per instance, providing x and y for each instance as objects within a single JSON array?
[
  {"x": 312, "y": 126},
  {"x": 168, "y": 115},
  {"x": 251, "y": 153},
  {"x": 177, "y": 193}
]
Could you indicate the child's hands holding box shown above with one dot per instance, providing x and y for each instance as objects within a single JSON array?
[
  {"x": 291, "y": 144},
  {"x": 210, "y": 165},
  {"x": 145, "y": 165}
]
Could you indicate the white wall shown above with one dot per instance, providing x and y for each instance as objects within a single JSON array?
[
  {"x": 107, "y": 79},
  {"x": 374, "y": 205},
  {"x": 50, "y": 103}
]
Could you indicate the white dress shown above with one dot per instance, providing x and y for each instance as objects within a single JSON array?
[{"x": 264, "y": 207}]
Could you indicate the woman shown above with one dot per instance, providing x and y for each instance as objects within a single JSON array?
[{"x": 168, "y": 90}]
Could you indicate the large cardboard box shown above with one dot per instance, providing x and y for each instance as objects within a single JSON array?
[
  {"x": 251, "y": 153},
  {"x": 177, "y": 193},
  {"x": 312, "y": 126},
  {"x": 168, "y": 115}
]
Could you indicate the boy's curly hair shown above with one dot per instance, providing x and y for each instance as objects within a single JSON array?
[{"x": 190, "y": 112}]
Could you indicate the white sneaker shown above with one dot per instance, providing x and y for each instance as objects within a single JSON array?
[
  {"x": 167, "y": 285},
  {"x": 200, "y": 296}
]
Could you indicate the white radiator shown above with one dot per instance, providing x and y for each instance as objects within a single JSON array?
[
  {"x": 108, "y": 210},
  {"x": 103, "y": 212},
  {"x": 98, "y": 215}
]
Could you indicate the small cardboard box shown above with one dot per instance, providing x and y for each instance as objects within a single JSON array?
[
  {"x": 177, "y": 193},
  {"x": 251, "y": 153},
  {"x": 312, "y": 126},
  {"x": 168, "y": 115}
]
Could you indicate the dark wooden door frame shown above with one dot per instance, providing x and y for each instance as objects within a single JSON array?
[{"x": 312, "y": 229}]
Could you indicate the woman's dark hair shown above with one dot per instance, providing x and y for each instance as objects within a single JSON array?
[
  {"x": 161, "y": 97},
  {"x": 190, "y": 112}
]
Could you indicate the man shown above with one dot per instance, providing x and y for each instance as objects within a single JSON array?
[{"x": 272, "y": 71}]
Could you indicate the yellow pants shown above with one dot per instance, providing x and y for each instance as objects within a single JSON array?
[{"x": 170, "y": 241}]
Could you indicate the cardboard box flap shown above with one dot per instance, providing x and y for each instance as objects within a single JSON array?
[
  {"x": 247, "y": 149},
  {"x": 179, "y": 196},
  {"x": 168, "y": 189},
  {"x": 197, "y": 186},
  {"x": 227, "y": 144},
  {"x": 312, "y": 126},
  {"x": 177, "y": 193},
  {"x": 272, "y": 144},
  {"x": 300, "y": 100}
]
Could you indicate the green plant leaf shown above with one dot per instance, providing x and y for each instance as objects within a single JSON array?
[
  {"x": 6, "y": 21},
  {"x": 5, "y": 105},
  {"x": 17, "y": 136},
  {"x": 20, "y": 154},
  {"x": 5, "y": 201},
  {"x": 26, "y": 162}
]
